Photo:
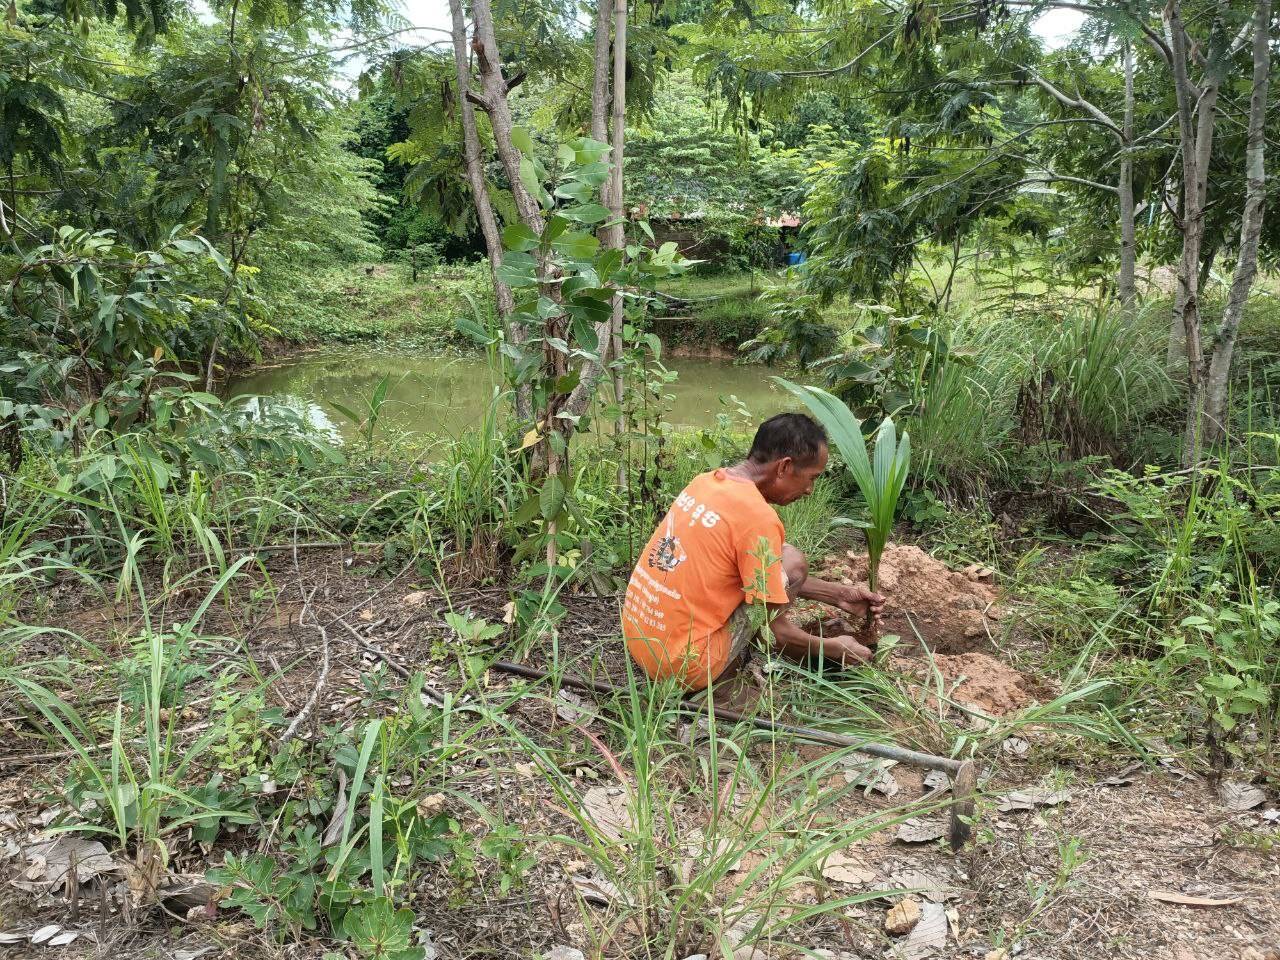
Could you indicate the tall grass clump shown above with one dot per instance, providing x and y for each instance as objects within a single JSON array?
[{"x": 1090, "y": 378}]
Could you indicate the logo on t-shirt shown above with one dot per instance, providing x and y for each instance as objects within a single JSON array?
[{"x": 667, "y": 553}]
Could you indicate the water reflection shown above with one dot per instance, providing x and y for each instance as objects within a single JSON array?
[{"x": 447, "y": 395}]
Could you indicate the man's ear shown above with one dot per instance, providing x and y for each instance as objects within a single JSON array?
[{"x": 785, "y": 465}]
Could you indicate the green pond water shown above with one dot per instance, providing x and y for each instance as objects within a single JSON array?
[{"x": 437, "y": 396}]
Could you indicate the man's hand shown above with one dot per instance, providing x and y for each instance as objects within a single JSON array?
[
  {"x": 858, "y": 600},
  {"x": 847, "y": 649}
]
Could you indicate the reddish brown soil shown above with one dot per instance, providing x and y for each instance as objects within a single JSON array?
[
  {"x": 992, "y": 686},
  {"x": 928, "y": 601}
]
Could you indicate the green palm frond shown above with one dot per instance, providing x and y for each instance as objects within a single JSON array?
[{"x": 880, "y": 477}]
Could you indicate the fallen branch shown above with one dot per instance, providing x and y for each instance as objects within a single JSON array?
[{"x": 309, "y": 707}]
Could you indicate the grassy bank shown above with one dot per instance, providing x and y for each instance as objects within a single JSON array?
[{"x": 362, "y": 302}]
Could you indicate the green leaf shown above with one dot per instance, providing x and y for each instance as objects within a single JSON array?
[
  {"x": 523, "y": 142},
  {"x": 518, "y": 270},
  {"x": 469, "y": 328},
  {"x": 577, "y": 245},
  {"x": 529, "y": 177},
  {"x": 551, "y": 499},
  {"x": 587, "y": 213},
  {"x": 575, "y": 190},
  {"x": 520, "y": 238}
]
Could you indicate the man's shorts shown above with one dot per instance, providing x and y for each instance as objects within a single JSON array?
[{"x": 742, "y": 630}]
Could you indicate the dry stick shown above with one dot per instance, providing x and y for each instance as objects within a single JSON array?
[
  {"x": 429, "y": 692},
  {"x": 310, "y": 705}
]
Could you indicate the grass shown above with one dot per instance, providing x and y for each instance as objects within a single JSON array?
[{"x": 350, "y": 304}]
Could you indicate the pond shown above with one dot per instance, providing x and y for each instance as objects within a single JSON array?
[{"x": 437, "y": 395}]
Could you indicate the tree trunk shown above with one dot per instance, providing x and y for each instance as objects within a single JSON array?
[
  {"x": 600, "y": 83},
  {"x": 609, "y": 332},
  {"x": 494, "y": 100},
  {"x": 617, "y": 233},
  {"x": 1215, "y": 400},
  {"x": 1197, "y": 113},
  {"x": 480, "y": 196},
  {"x": 1126, "y": 284},
  {"x": 951, "y": 274}
]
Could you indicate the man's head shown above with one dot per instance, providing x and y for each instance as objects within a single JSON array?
[{"x": 790, "y": 452}]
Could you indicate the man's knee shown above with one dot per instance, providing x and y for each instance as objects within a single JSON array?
[{"x": 796, "y": 566}]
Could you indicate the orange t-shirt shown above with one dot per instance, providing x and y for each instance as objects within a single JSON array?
[{"x": 697, "y": 568}]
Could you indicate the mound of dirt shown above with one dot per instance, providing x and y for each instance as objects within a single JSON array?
[
  {"x": 948, "y": 608},
  {"x": 993, "y": 687}
]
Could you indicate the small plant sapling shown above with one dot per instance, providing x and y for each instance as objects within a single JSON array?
[{"x": 880, "y": 477}]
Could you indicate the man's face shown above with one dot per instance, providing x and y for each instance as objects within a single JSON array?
[{"x": 792, "y": 480}]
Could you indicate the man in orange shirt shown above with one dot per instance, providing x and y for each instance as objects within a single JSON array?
[{"x": 720, "y": 551}]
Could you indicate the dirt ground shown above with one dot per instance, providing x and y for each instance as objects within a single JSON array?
[{"x": 1077, "y": 854}]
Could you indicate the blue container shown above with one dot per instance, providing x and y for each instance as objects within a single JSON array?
[{"x": 795, "y": 259}]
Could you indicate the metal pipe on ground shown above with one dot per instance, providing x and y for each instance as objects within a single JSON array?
[{"x": 963, "y": 773}]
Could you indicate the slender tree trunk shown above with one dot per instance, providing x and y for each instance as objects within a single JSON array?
[
  {"x": 1197, "y": 113},
  {"x": 1215, "y": 402},
  {"x": 481, "y": 199},
  {"x": 608, "y": 332},
  {"x": 951, "y": 274},
  {"x": 1126, "y": 284},
  {"x": 617, "y": 238},
  {"x": 600, "y": 82}
]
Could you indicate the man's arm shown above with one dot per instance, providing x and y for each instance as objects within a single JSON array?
[
  {"x": 795, "y": 642},
  {"x": 852, "y": 598}
]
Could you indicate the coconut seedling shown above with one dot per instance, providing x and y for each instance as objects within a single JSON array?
[{"x": 880, "y": 476}]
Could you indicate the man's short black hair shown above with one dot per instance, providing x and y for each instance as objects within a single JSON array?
[{"x": 793, "y": 435}]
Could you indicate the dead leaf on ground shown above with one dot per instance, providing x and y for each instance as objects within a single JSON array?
[
  {"x": 936, "y": 780},
  {"x": 870, "y": 774},
  {"x": 54, "y": 935},
  {"x": 928, "y": 936},
  {"x": 333, "y": 832},
  {"x": 607, "y": 809},
  {"x": 562, "y": 952},
  {"x": 1015, "y": 745},
  {"x": 919, "y": 830},
  {"x": 49, "y": 862},
  {"x": 842, "y": 868},
  {"x": 1030, "y": 799},
  {"x": 1187, "y": 900},
  {"x": 1237, "y": 795},
  {"x": 927, "y": 885},
  {"x": 596, "y": 891}
]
